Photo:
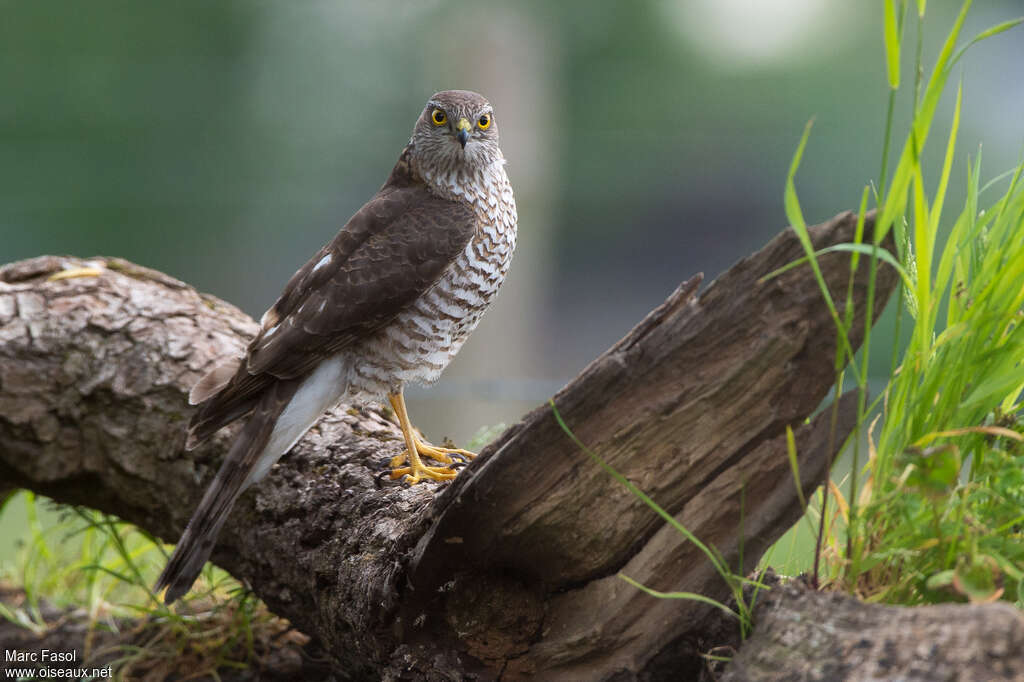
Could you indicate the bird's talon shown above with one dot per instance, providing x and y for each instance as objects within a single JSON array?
[
  {"x": 432, "y": 473},
  {"x": 417, "y": 471},
  {"x": 445, "y": 454},
  {"x": 436, "y": 455}
]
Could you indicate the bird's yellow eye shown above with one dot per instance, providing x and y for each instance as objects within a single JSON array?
[
  {"x": 484, "y": 122},
  {"x": 438, "y": 117}
]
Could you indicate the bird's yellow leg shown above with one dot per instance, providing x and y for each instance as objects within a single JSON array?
[{"x": 414, "y": 448}]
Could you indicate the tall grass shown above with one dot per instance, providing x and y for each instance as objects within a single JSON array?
[{"x": 937, "y": 511}]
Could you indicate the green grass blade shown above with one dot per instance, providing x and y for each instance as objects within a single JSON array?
[
  {"x": 923, "y": 240},
  {"x": 629, "y": 485},
  {"x": 988, "y": 33},
  {"x": 796, "y": 219},
  {"x": 892, "y": 45},
  {"x": 794, "y": 466},
  {"x": 109, "y": 571},
  {"x": 997, "y": 179},
  {"x": 691, "y": 596},
  {"x": 947, "y": 164},
  {"x": 847, "y": 247}
]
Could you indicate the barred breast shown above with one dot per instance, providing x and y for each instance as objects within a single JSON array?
[{"x": 420, "y": 342}]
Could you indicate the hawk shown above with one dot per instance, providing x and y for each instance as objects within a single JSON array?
[{"x": 388, "y": 302}]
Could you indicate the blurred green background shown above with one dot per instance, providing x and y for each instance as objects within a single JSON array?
[{"x": 224, "y": 142}]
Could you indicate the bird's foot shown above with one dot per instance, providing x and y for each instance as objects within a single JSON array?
[{"x": 417, "y": 471}]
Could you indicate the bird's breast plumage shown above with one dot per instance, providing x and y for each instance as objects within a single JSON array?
[{"x": 419, "y": 343}]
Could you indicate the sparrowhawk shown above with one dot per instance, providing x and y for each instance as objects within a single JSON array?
[{"x": 388, "y": 302}]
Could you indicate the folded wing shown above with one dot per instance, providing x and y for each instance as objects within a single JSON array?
[{"x": 388, "y": 254}]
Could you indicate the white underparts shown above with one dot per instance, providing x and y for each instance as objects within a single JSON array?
[{"x": 321, "y": 389}]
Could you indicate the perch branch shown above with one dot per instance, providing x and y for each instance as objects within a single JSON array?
[{"x": 511, "y": 570}]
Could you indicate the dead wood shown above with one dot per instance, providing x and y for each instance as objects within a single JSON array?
[
  {"x": 511, "y": 570},
  {"x": 802, "y": 635}
]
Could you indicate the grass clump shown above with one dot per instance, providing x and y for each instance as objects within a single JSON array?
[
  {"x": 90, "y": 568},
  {"x": 937, "y": 511}
]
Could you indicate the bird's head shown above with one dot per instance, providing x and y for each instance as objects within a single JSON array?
[{"x": 456, "y": 130}]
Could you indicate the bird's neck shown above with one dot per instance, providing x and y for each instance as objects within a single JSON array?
[{"x": 485, "y": 188}]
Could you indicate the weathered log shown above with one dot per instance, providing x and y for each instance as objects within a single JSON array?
[
  {"x": 802, "y": 635},
  {"x": 510, "y": 571}
]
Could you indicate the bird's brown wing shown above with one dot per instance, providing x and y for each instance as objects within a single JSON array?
[{"x": 386, "y": 256}]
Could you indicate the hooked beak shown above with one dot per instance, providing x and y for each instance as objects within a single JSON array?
[{"x": 462, "y": 135}]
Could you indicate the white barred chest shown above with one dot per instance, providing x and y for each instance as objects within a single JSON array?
[{"x": 420, "y": 342}]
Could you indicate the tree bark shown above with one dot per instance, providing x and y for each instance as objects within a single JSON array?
[
  {"x": 509, "y": 571},
  {"x": 802, "y": 635}
]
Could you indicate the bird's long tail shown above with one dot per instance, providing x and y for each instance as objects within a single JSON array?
[{"x": 251, "y": 456}]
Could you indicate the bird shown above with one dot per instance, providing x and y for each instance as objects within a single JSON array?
[{"x": 386, "y": 303}]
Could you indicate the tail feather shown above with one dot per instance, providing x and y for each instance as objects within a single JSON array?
[
  {"x": 200, "y": 536},
  {"x": 213, "y": 381},
  {"x": 222, "y": 401}
]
